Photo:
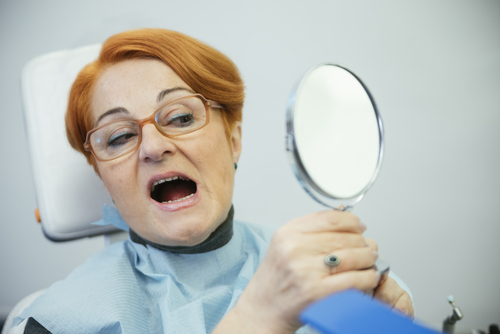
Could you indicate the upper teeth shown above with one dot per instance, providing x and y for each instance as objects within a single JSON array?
[{"x": 167, "y": 179}]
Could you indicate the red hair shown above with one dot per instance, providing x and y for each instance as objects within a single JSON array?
[{"x": 203, "y": 68}]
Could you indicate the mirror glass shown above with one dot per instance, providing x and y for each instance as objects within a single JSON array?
[{"x": 334, "y": 136}]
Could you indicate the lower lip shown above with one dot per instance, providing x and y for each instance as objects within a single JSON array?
[{"x": 176, "y": 206}]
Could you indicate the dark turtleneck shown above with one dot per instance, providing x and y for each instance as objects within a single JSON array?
[{"x": 217, "y": 239}]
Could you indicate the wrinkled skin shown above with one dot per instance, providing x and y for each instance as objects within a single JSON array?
[
  {"x": 293, "y": 274},
  {"x": 134, "y": 85}
]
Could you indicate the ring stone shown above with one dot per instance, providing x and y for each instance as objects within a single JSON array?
[{"x": 332, "y": 260}]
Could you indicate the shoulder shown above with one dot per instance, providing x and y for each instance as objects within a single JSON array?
[
  {"x": 88, "y": 292},
  {"x": 100, "y": 267},
  {"x": 117, "y": 257}
]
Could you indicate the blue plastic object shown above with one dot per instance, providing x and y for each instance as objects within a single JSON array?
[{"x": 352, "y": 312}]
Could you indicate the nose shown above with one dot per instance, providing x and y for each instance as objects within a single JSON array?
[{"x": 154, "y": 145}]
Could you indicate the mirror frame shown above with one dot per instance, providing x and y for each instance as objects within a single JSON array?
[{"x": 305, "y": 180}]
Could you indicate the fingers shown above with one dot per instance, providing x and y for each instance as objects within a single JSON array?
[
  {"x": 372, "y": 244},
  {"x": 331, "y": 220},
  {"x": 405, "y": 305},
  {"x": 320, "y": 233},
  {"x": 392, "y": 294},
  {"x": 388, "y": 291},
  {"x": 328, "y": 242},
  {"x": 362, "y": 280},
  {"x": 352, "y": 259}
]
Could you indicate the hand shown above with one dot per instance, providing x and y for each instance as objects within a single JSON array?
[
  {"x": 293, "y": 273},
  {"x": 390, "y": 292}
]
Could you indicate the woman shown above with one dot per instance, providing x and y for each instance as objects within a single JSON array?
[{"x": 158, "y": 115}]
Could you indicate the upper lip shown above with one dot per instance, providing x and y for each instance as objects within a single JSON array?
[{"x": 165, "y": 176}]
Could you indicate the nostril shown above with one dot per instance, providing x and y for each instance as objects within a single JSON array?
[{"x": 154, "y": 145}]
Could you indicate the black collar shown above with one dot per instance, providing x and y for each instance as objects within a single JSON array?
[{"x": 217, "y": 239}]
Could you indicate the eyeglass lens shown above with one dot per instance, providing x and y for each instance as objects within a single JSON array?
[{"x": 119, "y": 138}]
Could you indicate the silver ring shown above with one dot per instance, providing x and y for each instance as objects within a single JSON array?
[{"x": 332, "y": 260}]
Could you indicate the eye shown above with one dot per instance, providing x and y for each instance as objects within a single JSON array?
[
  {"x": 180, "y": 120},
  {"x": 119, "y": 139}
]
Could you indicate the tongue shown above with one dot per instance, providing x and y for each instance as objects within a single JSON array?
[{"x": 174, "y": 190}]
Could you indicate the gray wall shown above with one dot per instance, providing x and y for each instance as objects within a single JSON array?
[{"x": 434, "y": 70}]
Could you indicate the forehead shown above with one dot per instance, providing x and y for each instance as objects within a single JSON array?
[{"x": 133, "y": 84}]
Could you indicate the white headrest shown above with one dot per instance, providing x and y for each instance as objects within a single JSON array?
[{"x": 69, "y": 194}]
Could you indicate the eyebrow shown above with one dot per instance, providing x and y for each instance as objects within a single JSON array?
[
  {"x": 163, "y": 93},
  {"x": 160, "y": 97},
  {"x": 111, "y": 112}
]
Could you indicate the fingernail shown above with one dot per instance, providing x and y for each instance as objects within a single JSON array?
[
  {"x": 375, "y": 254},
  {"x": 362, "y": 226}
]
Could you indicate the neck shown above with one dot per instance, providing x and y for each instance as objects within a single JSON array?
[{"x": 217, "y": 239}]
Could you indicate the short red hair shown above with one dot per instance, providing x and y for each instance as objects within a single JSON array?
[{"x": 203, "y": 68}]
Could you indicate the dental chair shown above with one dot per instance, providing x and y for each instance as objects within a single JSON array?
[{"x": 45, "y": 84}]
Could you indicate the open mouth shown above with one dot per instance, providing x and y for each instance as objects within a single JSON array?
[{"x": 172, "y": 189}]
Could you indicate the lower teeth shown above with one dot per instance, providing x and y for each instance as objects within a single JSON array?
[{"x": 180, "y": 199}]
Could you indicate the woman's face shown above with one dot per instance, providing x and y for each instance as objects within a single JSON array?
[{"x": 203, "y": 160}]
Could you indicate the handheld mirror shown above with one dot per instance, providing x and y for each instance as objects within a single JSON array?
[{"x": 334, "y": 137}]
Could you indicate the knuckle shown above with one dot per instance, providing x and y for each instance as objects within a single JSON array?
[
  {"x": 405, "y": 305},
  {"x": 358, "y": 240},
  {"x": 347, "y": 240},
  {"x": 390, "y": 292},
  {"x": 339, "y": 241},
  {"x": 372, "y": 243},
  {"x": 405, "y": 299},
  {"x": 382, "y": 294},
  {"x": 351, "y": 219},
  {"x": 363, "y": 260},
  {"x": 331, "y": 217}
]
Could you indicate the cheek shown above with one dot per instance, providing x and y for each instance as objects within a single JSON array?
[
  {"x": 117, "y": 179},
  {"x": 225, "y": 180},
  {"x": 217, "y": 165}
]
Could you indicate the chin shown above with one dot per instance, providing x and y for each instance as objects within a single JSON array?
[
  {"x": 183, "y": 231},
  {"x": 179, "y": 211},
  {"x": 183, "y": 223}
]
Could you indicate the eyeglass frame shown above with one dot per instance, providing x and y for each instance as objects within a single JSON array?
[{"x": 152, "y": 120}]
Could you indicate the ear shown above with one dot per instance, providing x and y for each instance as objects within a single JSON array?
[{"x": 235, "y": 141}]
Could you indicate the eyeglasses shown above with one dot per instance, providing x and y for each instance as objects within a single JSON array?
[{"x": 176, "y": 118}]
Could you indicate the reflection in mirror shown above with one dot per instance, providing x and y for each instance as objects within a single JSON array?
[{"x": 335, "y": 136}]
